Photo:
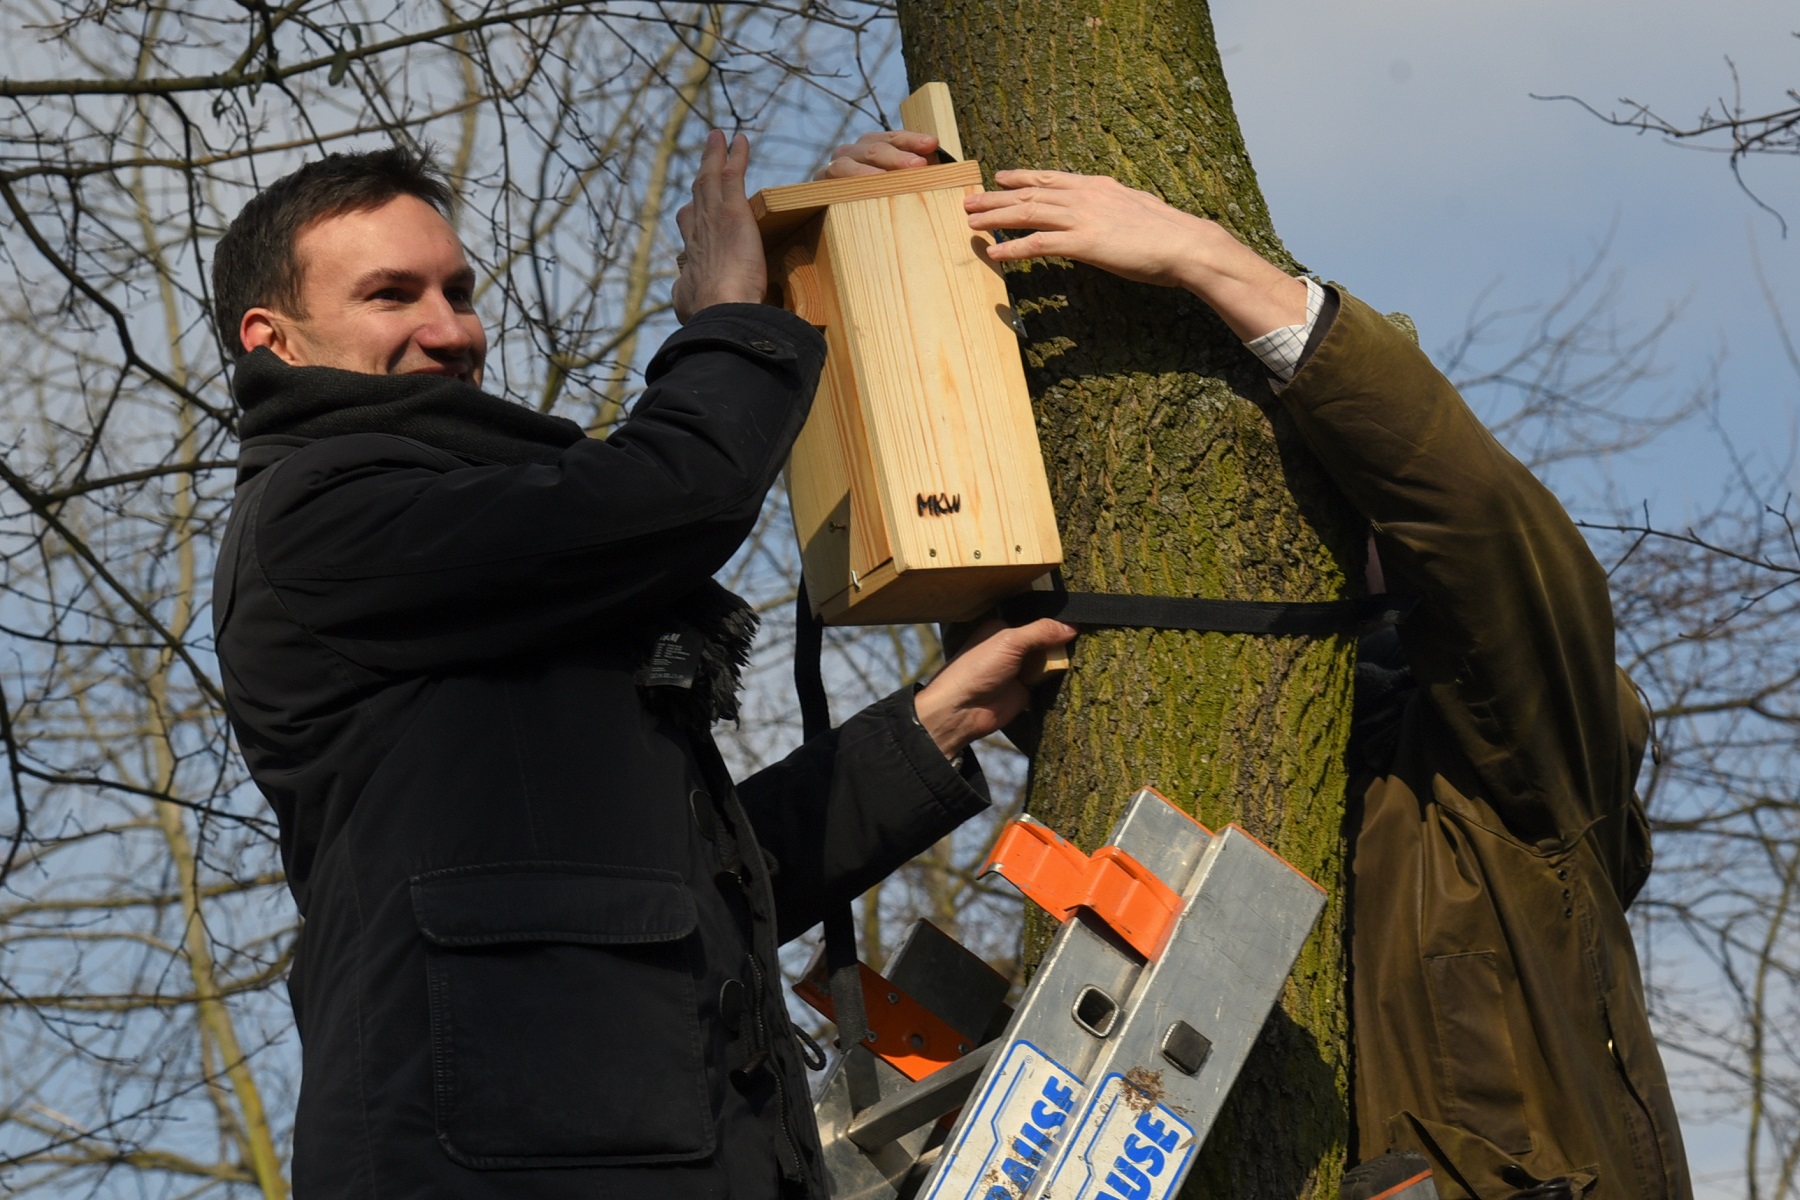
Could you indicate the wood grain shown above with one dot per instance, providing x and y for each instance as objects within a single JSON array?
[
  {"x": 917, "y": 486},
  {"x": 929, "y": 110},
  {"x": 780, "y": 211},
  {"x": 832, "y": 495}
]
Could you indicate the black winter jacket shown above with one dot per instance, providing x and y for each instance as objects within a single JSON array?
[{"x": 538, "y": 956}]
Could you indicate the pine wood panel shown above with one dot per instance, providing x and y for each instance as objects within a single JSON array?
[
  {"x": 917, "y": 486},
  {"x": 942, "y": 388},
  {"x": 833, "y": 497},
  {"x": 929, "y": 110},
  {"x": 780, "y": 211}
]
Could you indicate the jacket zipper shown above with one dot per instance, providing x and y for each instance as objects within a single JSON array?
[{"x": 774, "y": 1062}]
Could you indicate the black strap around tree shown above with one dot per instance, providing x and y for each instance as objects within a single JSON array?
[
  {"x": 1274, "y": 618},
  {"x": 842, "y": 967}
]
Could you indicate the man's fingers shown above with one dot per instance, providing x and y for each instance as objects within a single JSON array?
[
  {"x": 1038, "y": 639},
  {"x": 1048, "y": 631},
  {"x": 986, "y": 685},
  {"x": 712, "y": 164},
  {"x": 982, "y": 632},
  {"x": 875, "y": 157},
  {"x": 737, "y": 165},
  {"x": 873, "y": 153},
  {"x": 882, "y": 145},
  {"x": 989, "y": 201},
  {"x": 844, "y": 168},
  {"x": 722, "y": 260},
  {"x": 1041, "y": 635},
  {"x": 890, "y": 158},
  {"x": 1011, "y": 642},
  {"x": 1033, "y": 215},
  {"x": 1018, "y": 641},
  {"x": 1040, "y": 202},
  {"x": 910, "y": 140}
]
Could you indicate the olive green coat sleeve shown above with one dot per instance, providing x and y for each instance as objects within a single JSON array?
[
  {"x": 1513, "y": 632},
  {"x": 1497, "y": 1012}
]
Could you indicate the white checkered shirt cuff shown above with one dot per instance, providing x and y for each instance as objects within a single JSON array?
[{"x": 1280, "y": 349}]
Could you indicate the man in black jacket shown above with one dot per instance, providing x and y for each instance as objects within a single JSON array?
[{"x": 472, "y": 657}]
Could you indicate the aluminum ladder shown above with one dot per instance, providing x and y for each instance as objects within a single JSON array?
[{"x": 1104, "y": 1081}]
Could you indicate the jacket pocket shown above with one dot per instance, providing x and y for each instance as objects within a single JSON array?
[
  {"x": 564, "y": 1027},
  {"x": 1476, "y": 1065}
]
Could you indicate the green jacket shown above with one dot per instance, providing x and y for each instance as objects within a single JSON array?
[{"x": 1497, "y": 1010}]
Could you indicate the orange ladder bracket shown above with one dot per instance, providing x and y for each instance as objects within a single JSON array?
[{"x": 1112, "y": 885}]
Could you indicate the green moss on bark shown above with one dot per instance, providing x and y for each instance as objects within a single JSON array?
[{"x": 1174, "y": 473}]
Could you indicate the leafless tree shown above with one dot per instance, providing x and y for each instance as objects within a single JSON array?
[
  {"x": 145, "y": 1045},
  {"x": 1709, "y": 621},
  {"x": 1709, "y": 627},
  {"x": 1729, "y": 125}
]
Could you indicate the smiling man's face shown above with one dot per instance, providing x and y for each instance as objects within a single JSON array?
[{"x": 385, "y": 291}]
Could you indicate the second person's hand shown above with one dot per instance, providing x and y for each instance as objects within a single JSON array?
[{"x": 1097, "y": 220}]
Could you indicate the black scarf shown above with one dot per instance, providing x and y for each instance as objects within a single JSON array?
[{"x": 692, "y": 654}]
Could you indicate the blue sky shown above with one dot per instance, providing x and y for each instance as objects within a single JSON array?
[{"x": 1401, "y": 153}]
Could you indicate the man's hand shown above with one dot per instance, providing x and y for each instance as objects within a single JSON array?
[
  {"x": 1097, "y": 220},
  {"x": 722, "y": 256},
  {"x": 988, "y": 684},
  {"x": 873, "y": 153}
]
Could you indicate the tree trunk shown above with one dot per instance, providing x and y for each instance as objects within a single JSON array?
[{"x": 1175, "y": 473}]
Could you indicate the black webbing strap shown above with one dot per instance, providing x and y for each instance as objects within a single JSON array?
[
  {"x": 844, "y": 976},
  {"x": 1271, "y": 617},
  {"x": 809, "y": 679},
  {"x": 842, "y": 968}
]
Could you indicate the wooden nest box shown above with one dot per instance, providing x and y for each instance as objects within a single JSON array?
[{"x": 917, "y": 486}]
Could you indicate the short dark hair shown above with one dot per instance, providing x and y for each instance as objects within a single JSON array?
[{"x": 254, "y": 264}]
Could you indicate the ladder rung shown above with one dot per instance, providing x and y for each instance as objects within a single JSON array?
[{"x": 942, "y": 1091}]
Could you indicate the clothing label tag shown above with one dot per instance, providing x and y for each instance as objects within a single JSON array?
[{"x": 674, "y": 660}]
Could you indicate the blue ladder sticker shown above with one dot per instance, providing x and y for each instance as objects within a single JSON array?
[
  {"x": 1128, "y": 1146},
  {"x": 1008, "y": 1134}
]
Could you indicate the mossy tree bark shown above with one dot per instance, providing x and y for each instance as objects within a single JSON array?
[{"x": 1175, "y": 473}]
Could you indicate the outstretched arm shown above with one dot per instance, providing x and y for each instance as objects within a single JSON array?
[
  {"x": 1099, "y": 221},
  {"x": 849, "y": 807},
  {"x": 1514, "y": 628}
]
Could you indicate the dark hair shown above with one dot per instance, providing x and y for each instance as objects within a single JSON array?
[{"x": 254, "y": 264}]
